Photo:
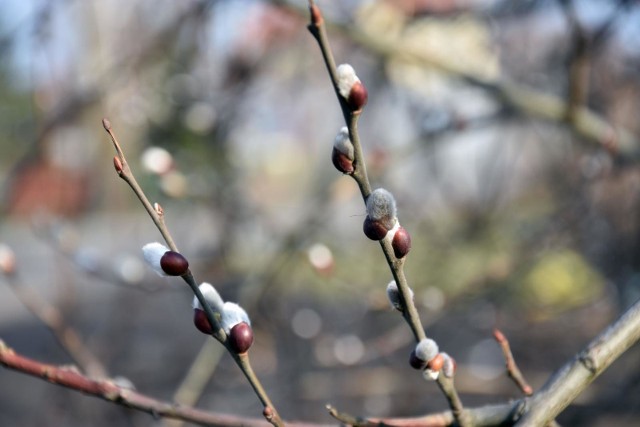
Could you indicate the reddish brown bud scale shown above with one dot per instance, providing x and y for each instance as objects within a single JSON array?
[
  {"x": 117, "y": 164},
  {"x": 174, "y": 263},
  {"x": 241, "y": 337},
  {"x": 416, "y": 362},
  {"x": 267, "y": 413},
  {"x": 401, "y": 243},
  {"x": 373, "y": 229},
  {"x": 436, "y": 363},
  {"x": 316, "y": 15},
  {"x": 343, "y": 163},
  {"x": 201, "y": 322},
  {"x": 106, "y": 124},
  {"x": 358, "y": 96}
]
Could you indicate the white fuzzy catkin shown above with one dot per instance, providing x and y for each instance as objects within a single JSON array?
[
  {"x": 212, "y": 297},
  {"x": 381, "y": 205},
  {"x": 232, "y": 314},
  {"x": 449, "y": 366},
  {"x": 346, "y": 79},
  {"x": 393, "y": 293},
  {"x": 343, "y": 144},
  {"x": 426, "y": 349},
  {"x": 152, "y": 253}
]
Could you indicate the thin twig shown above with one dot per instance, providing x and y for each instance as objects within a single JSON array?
[
  {"x": 110, "y": 391},
  {"x": 410, "y": 313},
  {"x": 200, "y": 371},
  {"x": 512, "y": 368},
  {"x": 156, "y": 212}
]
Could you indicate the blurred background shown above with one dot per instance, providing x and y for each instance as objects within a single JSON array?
[{"x": 507, "y": 130}]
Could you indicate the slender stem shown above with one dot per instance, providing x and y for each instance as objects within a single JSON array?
[
  {"x": 512, "y": 367},
  {"x": 270, "y": 413},
  {"x": 126, "y": 174}
]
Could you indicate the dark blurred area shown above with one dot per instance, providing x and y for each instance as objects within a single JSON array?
[{"x": 524, "y": 212}]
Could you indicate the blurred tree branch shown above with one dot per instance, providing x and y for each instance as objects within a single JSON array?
[
  {"x": 110, "y": 391},
  {"x": 583, "y": 121},
  {"x": 569, "y": 381}
]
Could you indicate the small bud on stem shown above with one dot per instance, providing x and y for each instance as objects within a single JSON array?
[
  {"x": 117, "y": 164},
  {"x": 241, "y": 337},
  {"x": 401, "y": 242},
  {"x": 174, "y": 263}
]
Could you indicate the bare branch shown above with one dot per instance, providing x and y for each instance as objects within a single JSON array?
[
  {"x": 110, "y": 391},
  {"x": 569, "y": 381}
]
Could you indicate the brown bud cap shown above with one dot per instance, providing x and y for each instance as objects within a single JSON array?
[
  {"x": 241, "y": 337},
  {"x": 117, "y": 164},
  {"x": 316, "y": 15},
  {"x": 416, "y": 362},
  {"x": 106, "y": 124},
  {"x": 201, "y": 321},
  {"x": 375, "y": 230},
  {"x": 401, "y": 242},
  {"x": 267, "y": 413},
  {"x": 358, "y": 96},
  {"x": 343, "y": 163},
  {"x": 174, "y": 264},
  {"x": 436, "y": 363}
]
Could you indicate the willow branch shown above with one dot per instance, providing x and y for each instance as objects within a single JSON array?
[
  {"x": 576, "y": 375},
  {"x": 157, "y": 215},
  {"x": 409, "y": 312},
  {"x": 111, "y": 392}
]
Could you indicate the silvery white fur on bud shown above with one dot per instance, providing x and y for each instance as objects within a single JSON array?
[
  {"x": 394, "y": 295},
  {"x": 346, "y": 79},
  {"x": 232, "y": 314},
  {"x": 153, "y": 253},
  {"x": 430, "y": 375},
  {"x": 343, "y": 144},
  {"x": 381, "y": 206},
  {"x": 449, "y": 367},
  {"x": 426, "y": 349},
  {"x": 212, "y": 297}
]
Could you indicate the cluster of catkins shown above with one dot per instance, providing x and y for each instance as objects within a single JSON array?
[
  {"x": 382, "y": 221},
  {"x": 231, "y": 317}
]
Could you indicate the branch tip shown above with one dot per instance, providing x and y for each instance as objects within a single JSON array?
[{"x": 106, "y": 124}]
